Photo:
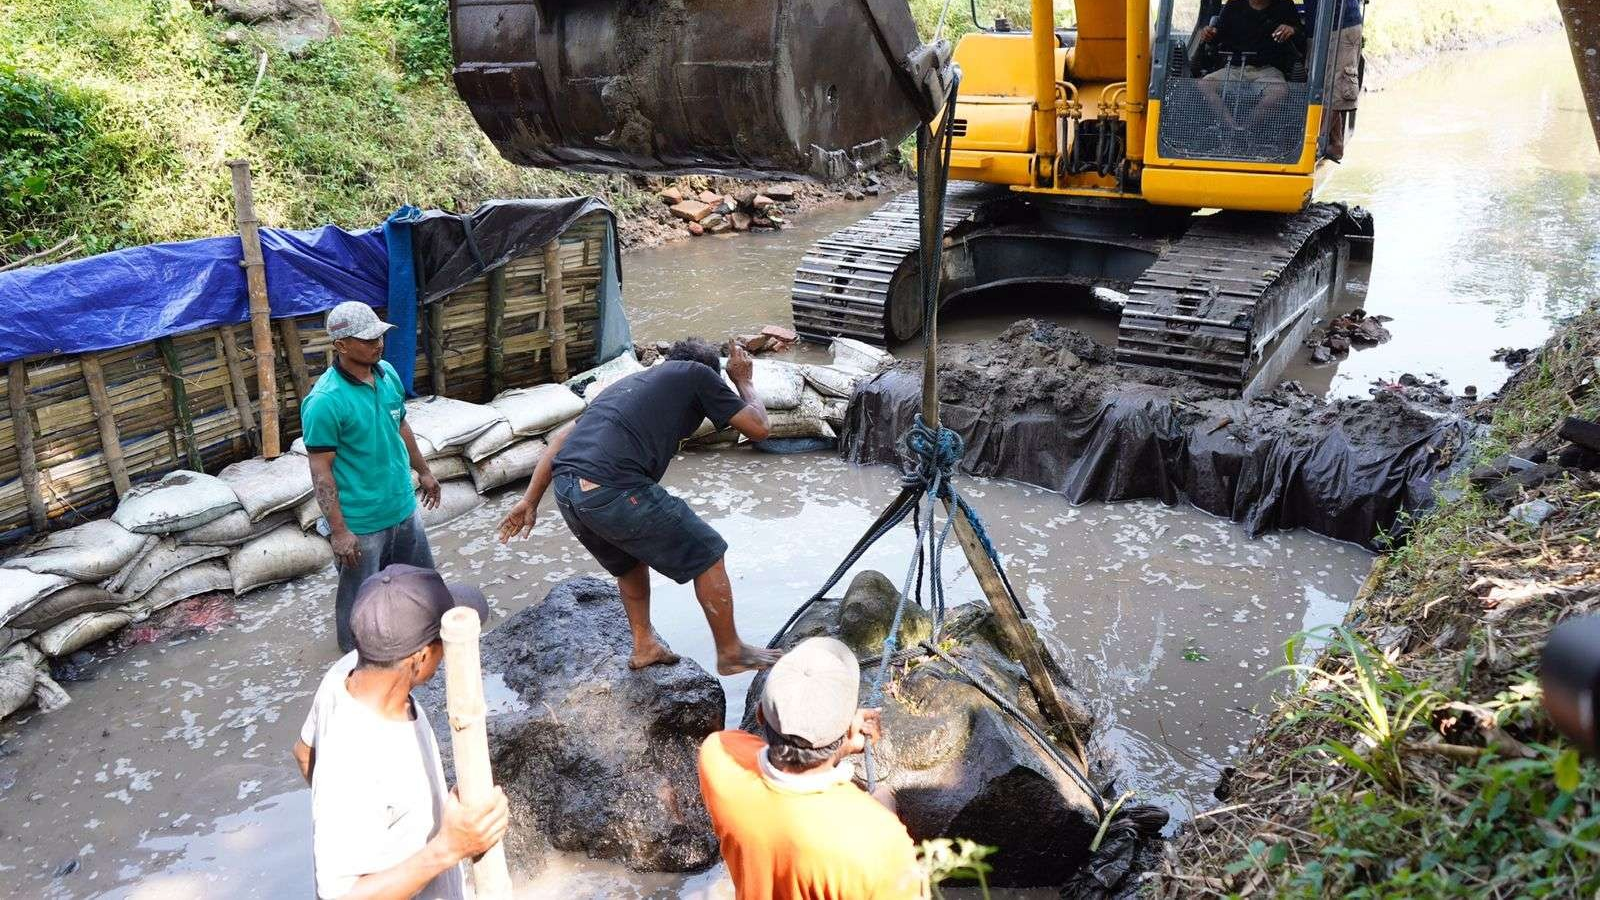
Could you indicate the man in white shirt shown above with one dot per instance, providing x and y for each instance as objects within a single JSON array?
[{"x": 383, "y": 823}]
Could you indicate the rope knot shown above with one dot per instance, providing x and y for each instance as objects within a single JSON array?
[{"x": 931, "y": 456}]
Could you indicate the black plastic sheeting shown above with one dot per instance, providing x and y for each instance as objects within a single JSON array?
[
  {"x": 1345, "y": 470},
  {"x": 454, "y": 249}
]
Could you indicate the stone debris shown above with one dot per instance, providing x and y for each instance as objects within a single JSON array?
[
  {"x": 1353, "y": 329},
  {"x": 1514, "y": 358},
  {"x": 691, "y": 210}
]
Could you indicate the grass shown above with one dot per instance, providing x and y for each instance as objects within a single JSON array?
[
  {"x": 1413, "y": 759},
  {"x": 116, "y": 117},
  {"x": 1400, "y": 28}
]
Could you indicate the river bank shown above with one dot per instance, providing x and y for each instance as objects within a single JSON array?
[{"x": 1415, "y": 761}]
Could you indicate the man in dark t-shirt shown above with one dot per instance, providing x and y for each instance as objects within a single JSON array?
[
  {"x": 605, "y": 468},
  {"x": 1261, "y": 40}
]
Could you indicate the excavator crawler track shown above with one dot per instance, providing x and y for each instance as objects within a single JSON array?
[
  {"x": 1236, "y": 285},
  {"x": 843, "y": 283}
]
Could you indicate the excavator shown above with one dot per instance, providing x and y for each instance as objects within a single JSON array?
[{"x": 1124, "y": 152}]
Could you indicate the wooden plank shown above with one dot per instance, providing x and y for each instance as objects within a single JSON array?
[
  {"x": 105, "y": 418},
  {"x": 180, "y": 403},
  {"x": 22, "y": 428},
  {"x": 260, "y": 309},
  {"x": 436, "y": 362},
  {"x": 289, "y": 333},
  {"x": 232, "y": 359}
]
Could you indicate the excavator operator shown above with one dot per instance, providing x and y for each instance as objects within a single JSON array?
[{"x": 1260, "y": 40}]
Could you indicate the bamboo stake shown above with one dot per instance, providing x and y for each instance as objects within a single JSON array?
[
  {"x": 180, "y": 402},
  {"x": 495, "y": 347},
  {"x": 94, "y": 376},
  {"x": 469, "y": 739},
  {"x": 555, "y": 316},
  {"x": 233, "y": 360},
  {"x": 435, "y": 319},
  {"x": 289, "y": 333},
  {"x": 22, "y": 431},
  {"x": 260, "y": 309}
]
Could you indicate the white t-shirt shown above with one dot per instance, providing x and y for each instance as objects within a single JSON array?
[{"x": 377, "y": 790}]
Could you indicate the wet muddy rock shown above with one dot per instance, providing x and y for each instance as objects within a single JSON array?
[{"x": 594, "y": 757}]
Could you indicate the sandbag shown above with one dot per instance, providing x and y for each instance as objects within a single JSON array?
[
  {"x": 804, "y": 421},
  {"x": 268, "y": 486},
  {"x": 444, "y": 425},
  {"x": 445, "y": 468},
  {"x": 116, "y": 582},
  {"x": 777, "y": 384},
  {"x": 832, "y": 381},
  {"x": 620, "y": 366},
  {"x": 307, "y": 514},
  {"x": 202, "y": 578},
  {"x": 536, "y": 410},
  {"x": 168, "y": 557},
  {"x": 19, "y": 671},
  {"x": 497, "y": 438},
  {"x": 511, "y": 464},
  {"x": 79, "y": 631},
  {"x": 73, "y": 600},
  {"x": 456, "y": 498},
  {"x": 179, "y": 501},
  {"x": 47, "y": 695},
  {"x": 232, "y": 529},
  {"x": 93, "y": 551},
  {"x": 850, "y": 353},
  {"x": 834, "y": 410},
  {"x": 283, "y": 554},
  {"x": 20, "y": 589}
]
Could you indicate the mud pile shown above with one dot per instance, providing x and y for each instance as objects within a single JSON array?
[{"x": 1046, "y": 405}]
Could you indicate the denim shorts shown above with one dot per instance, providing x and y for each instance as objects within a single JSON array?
[{"x": 623, "y": 527}]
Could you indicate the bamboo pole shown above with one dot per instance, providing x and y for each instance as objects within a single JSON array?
[
  {"x": 94, "y": 376},
  {"x": 180, "y": 402},
  {"x": 22, "y": 431},
  {"x": 555, "y": 317},
  {"x": 469, "y": 739},
  {"x": 435, "y": 319},
  {"x": 260, "y": 309},
  {"x": 295, "y": 352},
  {"x": 233, "y": 360},
  {"x": 495, "y": 324}
]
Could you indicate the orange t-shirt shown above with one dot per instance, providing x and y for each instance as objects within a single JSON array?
[{"x": 833, "y": 844}]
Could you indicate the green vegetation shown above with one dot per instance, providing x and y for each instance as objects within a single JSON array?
[
  {"x": 961, "y": 860},
  {"x": 1413, "y": 760},
  {"x": 116, "y": 117},
  {"x": 1400, "y": 28}
]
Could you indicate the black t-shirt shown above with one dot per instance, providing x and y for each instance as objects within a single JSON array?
[
  {"x": 1243, "y": 28},
  {"x": 629, "y": 434}
]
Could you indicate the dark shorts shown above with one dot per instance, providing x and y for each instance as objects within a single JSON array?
[{"x": 623, "y": 527}]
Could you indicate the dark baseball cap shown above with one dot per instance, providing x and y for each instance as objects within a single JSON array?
[
  {"x": 397, "y": 611},
  {"x": 811, "y": 692}
]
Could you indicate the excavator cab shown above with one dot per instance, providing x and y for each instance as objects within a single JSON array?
[{"x": 750, "y": 88}]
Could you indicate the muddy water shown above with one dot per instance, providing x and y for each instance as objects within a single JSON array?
[{"x": 169, "y": 775}]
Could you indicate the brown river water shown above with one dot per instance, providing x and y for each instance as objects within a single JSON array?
[{"x": 169, "y": 776}]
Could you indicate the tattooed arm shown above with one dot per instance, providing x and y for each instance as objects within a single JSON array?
[{"x": 346, "y": 550}]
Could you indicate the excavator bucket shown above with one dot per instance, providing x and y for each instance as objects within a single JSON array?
[{"x": 804, "y": 88}]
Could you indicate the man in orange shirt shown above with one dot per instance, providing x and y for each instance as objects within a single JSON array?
[{"x": 792, "y": 824}]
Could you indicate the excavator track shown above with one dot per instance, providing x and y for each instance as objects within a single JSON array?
[
  {"x": 843, "y": 283},
  {"x": 1219, "y": 299}
]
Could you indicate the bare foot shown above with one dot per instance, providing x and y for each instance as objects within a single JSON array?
[
  {"x": 655, "y": 653},
  {"x": 746, "y": 659}
]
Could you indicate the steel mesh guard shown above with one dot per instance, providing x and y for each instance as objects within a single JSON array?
[{"x": 1192, "y": 129}]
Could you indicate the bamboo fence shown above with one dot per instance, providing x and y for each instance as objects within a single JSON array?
[{"x": 80, "y": 429}]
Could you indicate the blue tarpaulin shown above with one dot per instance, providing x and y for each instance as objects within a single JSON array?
[
  {"x": 140, "y": 294},
  {"x": 143, "y": 293}
]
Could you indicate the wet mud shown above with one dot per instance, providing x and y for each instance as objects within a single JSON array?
[{"x": 1044, "y": 404}]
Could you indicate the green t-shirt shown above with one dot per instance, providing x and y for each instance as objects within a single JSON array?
[{"x": 360, "y": 424}]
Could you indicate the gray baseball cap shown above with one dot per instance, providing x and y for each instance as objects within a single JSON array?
[
  {"x": 812, "y": 691},
  {"x": 354, "y": 319},
  {"x": 397, "y": 611}
]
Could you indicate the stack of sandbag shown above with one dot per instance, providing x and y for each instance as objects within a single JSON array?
[
  {"x": 588, "y": 385},
  {"x": 450, "y": 433},
  {"x": 805, "y": 402},
  {"x": 529, "y": 414}
]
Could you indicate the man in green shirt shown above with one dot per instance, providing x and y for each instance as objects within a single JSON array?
[{"x": 362, "y": 454}]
